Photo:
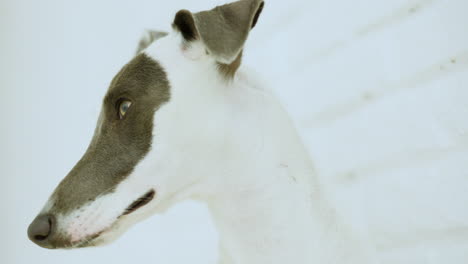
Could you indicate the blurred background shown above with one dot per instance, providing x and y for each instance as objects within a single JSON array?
[{"x": 377, "y": 89}]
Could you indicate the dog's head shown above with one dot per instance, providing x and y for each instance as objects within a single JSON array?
[{"x": 160, "y": 126}]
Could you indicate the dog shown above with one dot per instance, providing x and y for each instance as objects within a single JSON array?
[{"x": 184, "y": 120}]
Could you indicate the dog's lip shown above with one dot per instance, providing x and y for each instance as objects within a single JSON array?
[{"x": 89, "y": 240}]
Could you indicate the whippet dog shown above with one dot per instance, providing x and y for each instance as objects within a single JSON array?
[{"x": 182, "y": 120}]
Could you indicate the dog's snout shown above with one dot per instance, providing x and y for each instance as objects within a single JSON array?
[{"x": 40, "y": 229}]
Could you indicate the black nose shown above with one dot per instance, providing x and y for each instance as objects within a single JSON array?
[{"x": 40, "y": 229}]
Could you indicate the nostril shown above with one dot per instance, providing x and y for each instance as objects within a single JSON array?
[
  {"x": 40, "y": 237},
  {"x": 40, "y": 229}
]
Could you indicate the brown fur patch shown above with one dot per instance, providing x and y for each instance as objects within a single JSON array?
[{"x": 118, "y": 144}]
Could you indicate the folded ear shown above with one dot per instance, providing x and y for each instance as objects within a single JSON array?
[
  {"x": 149, "y": 37},
  {"x": 223, "y": 30}
]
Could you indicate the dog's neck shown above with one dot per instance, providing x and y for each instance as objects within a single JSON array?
[
  {"x": 265, "y": 199},
  {"x": 265, "y": 217}
]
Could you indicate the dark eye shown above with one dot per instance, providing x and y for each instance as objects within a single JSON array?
[{"x": 124, "y": 105}]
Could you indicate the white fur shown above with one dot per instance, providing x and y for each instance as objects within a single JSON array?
[{"x": 232, "y": 146}]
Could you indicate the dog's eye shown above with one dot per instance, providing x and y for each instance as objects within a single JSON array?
[{"x": 123, "y": 108}]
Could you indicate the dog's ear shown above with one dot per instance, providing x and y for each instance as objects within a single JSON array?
[
  {"x": 222, "y": 30},
  {"x": 149, "y": 36}
]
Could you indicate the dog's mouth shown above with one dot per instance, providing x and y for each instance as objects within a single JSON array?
[
  {"x": 140, "y": 202},
  {"x": 93, "y": 240}
]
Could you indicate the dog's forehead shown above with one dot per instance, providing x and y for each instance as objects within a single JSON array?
[{"x": 143, "y": 75}]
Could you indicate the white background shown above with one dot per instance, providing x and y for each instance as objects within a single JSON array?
[{"x": 378, "y": 90}]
